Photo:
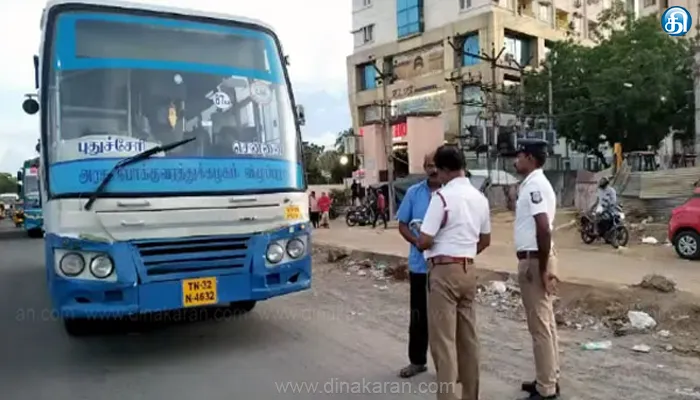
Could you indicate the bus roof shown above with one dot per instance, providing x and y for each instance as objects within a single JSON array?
[{"x": 156, "y": 8}]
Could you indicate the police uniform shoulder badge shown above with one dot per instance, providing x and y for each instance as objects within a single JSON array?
[{"x": 536, "y": 197}]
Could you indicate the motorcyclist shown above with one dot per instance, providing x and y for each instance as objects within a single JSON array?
[{"x": 605, "y": 206}]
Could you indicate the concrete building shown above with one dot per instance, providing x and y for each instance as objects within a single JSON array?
[{"x": 414, "y": 39}]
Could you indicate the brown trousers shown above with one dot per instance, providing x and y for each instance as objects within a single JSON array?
[
  {"x": 452, "y": 329},
  {"x": 540, "y": 322}
]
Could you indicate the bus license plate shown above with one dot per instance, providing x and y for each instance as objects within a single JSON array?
[
  {"x": 292, "y": 212},
  {"x": 199, "y": 292}
]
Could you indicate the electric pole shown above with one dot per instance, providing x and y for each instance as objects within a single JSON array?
[
  {"x": 491, "y": 89},
  {"x": 386, "y": 77}
]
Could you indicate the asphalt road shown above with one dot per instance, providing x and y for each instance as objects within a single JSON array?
[{"x": 251, "y": 357}]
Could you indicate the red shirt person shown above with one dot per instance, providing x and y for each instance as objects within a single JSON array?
[{"x": 324, "y": 204}]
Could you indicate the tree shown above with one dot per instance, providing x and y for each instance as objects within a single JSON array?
[
  {"x": 630, "y": 88},
  {"x": 8, "y": 183},
  {"x": 340, "y": 140},
  {"x": 311, "y": 154}
]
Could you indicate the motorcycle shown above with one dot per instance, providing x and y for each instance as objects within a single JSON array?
[
  {"x": 18, "y": 218},
  {"x": 617, "y": 234},
  {"x": 362, "y": 215}
]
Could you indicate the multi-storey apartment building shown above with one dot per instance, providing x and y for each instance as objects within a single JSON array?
[{"x": 414, "y": 39}]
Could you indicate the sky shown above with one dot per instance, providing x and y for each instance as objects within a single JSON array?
[{"x": 316, "y": 51}]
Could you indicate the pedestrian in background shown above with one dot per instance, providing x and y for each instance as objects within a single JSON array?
[
  {"x": 355, "y": 193},
  {"x": 380, "y": 211},
  {"x": 410, "y": 216},
  {"x": 535, "y": 210},
  {"x": 456, "y": 228},
  {"x": 314, "y": 211},
  {"x": 324, "y": 205}
]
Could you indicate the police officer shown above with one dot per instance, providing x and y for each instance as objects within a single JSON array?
[
  {"x": 456, "y": 227},
  {"x": 534, "y": 215}
]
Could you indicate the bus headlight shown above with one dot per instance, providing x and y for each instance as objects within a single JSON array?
[
  {"x": 72, "y": 264},
  {"x": 274, "y": 253},
  {"x": 295, "y": 248},
  {"x": 101, "y": 267}
]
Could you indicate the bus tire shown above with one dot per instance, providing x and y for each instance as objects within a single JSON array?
[
  {"x": 35, "y": 233},
  {"x": 77, "y": 327},
  {"x": 242, "y": 307}
]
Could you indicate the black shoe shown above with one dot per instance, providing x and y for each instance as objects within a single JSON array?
[{"x": 531, "y": 387}]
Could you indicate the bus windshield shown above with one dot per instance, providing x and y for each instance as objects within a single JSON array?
[
  {"x": 120, "y": 84},
  {"x": 30, "y": 184}
]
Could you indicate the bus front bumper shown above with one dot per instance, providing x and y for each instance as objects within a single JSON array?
[
  {"x": 85, "y": 299},
  {"x": 140, "y": 289}
]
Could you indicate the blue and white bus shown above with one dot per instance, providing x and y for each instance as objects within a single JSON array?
[
  {"x": 28, "y": 179},
  {"x": 171, "y": 174}
]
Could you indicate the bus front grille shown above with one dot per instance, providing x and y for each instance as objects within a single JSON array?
[{"x": 192, "y": 254}]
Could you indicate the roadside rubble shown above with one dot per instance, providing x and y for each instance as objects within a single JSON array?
[
  {"x": 618, "y": 318},
  {"x": 657, "y": 282}
]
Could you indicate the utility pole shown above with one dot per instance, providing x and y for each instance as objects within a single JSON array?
[
  {"x": 491, "y": 89},
  {"x": 550, "y": 106},
  {"x": 386, "y": 78}
]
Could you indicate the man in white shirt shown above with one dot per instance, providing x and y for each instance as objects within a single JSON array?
[
  {"x": 456, "y": 227},
  {"x": 534, "y": 214}
]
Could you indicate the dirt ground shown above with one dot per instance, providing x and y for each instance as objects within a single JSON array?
[{"x": 585, "y": 314}]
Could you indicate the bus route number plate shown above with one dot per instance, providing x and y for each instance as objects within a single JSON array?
[
  {"x": 199, "y": 292},
  {"x": 292, "y": 212}
]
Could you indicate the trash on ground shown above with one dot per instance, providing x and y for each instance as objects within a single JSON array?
[
  {"x": 498, "y": 287},
  {"x": 641, "y": 348},
  {"x": 361, "y": 273},
  {"x": 664, "y": 333},
  {"x": 650, "y": 240},
  {"x": 604, "y": 345},
  {"x": 640, "y": 320},
  {"x": 690, "y": 392}
]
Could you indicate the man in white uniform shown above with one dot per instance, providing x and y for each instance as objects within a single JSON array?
[
  {"x": 534, "y": 214},
  {"x": 456, "y": 228}
]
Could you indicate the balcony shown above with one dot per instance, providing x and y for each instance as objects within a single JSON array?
[
  {"x": 562, "y": 20},
  {"x": 527, "y": 8}
]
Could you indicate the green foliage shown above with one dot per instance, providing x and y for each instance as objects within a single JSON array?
[
  {"x": 8, "y": 183},
  {"x": 311, "y": 154},
  {"x": 323, "y": 166},
  {"x": 341, "y": 197},
  {"x": 630, "y": 88}
]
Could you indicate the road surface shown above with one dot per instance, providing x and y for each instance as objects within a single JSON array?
[{"x": 346, "y": 336}]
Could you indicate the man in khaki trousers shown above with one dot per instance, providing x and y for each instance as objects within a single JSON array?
[
  {"x": 534, "y": 214},
  {"x": 456, "y": 228}
]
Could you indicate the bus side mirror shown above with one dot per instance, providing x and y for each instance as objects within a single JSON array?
[
  {"x": 36, "y": 72},
  {"x": 30, "y": 106},
  {"x": 19, "y": 176},
  {"x": 19, "y": 189},
  {"x": 301, "y": 116}
]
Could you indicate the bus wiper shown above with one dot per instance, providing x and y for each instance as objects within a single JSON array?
[{"x": 130, "y": 160}]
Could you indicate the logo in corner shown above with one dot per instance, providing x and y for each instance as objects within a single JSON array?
[{"x": 676, "y": 21}]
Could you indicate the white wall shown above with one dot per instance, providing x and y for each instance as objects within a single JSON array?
[{"x": 382, "y": 13}]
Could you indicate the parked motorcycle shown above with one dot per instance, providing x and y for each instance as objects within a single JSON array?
[
  {"x": 360, "y": 215},
  {"x": 617, "y": 234}
]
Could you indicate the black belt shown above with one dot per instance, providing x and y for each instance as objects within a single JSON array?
[{"x": 527, "y": 254}]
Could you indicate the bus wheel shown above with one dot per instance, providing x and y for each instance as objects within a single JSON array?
[
  {"x": 77, "y": 327},
  {"x": 35, "y": 233},
  {"x": 241, "y": 307}
]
